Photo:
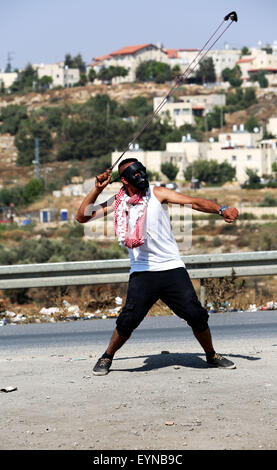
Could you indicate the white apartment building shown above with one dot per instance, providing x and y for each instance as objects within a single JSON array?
[
  {"x": 271, "y": 126},
  {"x": 182, "y": 57},
  {"x": 61, "y": 75},
  {"x": 259, "y": 159},
  {"x": 187, "y": 108},
  {"x": 239, "y": 138},
  {"x": 222, "y": 58},
  {"x": 189, "y": 149},
  {"x": 8, "y": 78},
  {"x": 259, "y": 61},
  {"x": 153, "y": 159},
  {"x": 129, "y": 57}
]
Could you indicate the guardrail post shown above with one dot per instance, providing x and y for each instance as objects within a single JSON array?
[{"x": 202, "y": 292}]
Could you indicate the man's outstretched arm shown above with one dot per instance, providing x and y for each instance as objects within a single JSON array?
[
  {"x": 88, "y": 210},
  {"x": 199, "y": 204}
]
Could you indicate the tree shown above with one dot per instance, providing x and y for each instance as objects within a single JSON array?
[
  {"x": 68, "y": 61},
  {"x": 240, "y": 99},
  {"x": 92, "y": 133},
  {"x": 253, "y": 177},
  {"x": 104, "y": 74},
  {"x": 91, "y": 75},
  {"x": 196, "y": 132},
  {"x": 260, "y": 78},
  {"x": 26, "y": 80},
  {"x": 83, "y": 79},
  {"x": 137, "y": 106},
  {"x": 25, "y": 142},
  {"x": 79, "y": 63},
  {"x": 215, "y": 119},
  {"x": 152, "y": 70},
  {"x": 75, "y": 62},
  {"x": 206, "y": 71},
  {"x": 252, "y": 123},
  {"x": 233, "y": 76},
  {"x": 45, "y": 82},
  {"x": 11, "y": 117},
  {"x": 249, "y": 97},
  {"x": 2, "y": 88},
  {"x": 54, "y": 118},
  {"x": 98, "y": 104},
  {"x": 170, "y": 170},
  {"x": 32, "y": 190},
  {"x": 152, "y": 136},
  {"x": 245, "y": 51},
  {"x": 14, "y": 195},
  {"x": 107, "y": 74},
  {"x": 210, "y": 171}
]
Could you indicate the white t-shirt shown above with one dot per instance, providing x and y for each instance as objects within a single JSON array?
[{"x": 160, "y": 251}]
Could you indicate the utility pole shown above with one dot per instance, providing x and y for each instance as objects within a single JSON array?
[
  {"x": 36, "y": 160},
  {"x": 9, "y": 62}
]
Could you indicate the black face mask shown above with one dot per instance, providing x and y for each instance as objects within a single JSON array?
[{"x": 136, "y": 175}]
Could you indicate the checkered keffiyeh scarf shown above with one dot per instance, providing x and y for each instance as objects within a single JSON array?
[{"x": 129, "y": 217}]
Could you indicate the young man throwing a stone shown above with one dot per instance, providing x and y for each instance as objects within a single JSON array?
[{"x": 142, "y": 224}]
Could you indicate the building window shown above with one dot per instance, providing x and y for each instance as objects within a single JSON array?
[
  {"x": 234, "y": 158},
  {"x": 176, "y": 112},
  {"x": 249, "y": 157}
]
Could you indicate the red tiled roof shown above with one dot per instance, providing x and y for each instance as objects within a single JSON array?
[
  {"x": 99, "y": 59},
  {"x": 244, "y": 61},
  {"x": 266, "y": 69},
  {"x": 124, "y": 51},
  {"x": 172, "y": 53},
  {"x": 130, "y": 49}
]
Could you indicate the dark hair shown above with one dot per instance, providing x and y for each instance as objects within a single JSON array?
[{"x": 127, "y": 160}]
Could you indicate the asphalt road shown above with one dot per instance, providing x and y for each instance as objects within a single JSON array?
[
  {"x": 149, "y": 400},
  {"x": 224, "y": 326}
]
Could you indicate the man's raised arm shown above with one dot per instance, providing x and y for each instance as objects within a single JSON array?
[{"x": 88, "y": 210}]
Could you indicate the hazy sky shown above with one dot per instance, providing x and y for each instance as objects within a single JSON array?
[{"x": 38, "y": 31}]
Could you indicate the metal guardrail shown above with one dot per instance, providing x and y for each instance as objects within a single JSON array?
[{"x": 258, "y": 263}]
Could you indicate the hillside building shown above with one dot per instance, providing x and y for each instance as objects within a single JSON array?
[
  {"x": 129, "y": 57},
  {"x": 61, "y": 75},
  {"x": 7, "y": 79},
  {"x": 222, "y": 58},
  {"x": 187, "y": 108},
  {"x": 271, "y": 126},
  {"x": 259, "y": 61}
]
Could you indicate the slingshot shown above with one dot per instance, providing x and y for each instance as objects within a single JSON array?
[{"x": 181, "y": 78}]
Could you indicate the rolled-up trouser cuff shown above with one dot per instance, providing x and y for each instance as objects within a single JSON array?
[{"x": 124, "y": 333}]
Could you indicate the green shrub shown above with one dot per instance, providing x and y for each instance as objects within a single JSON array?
[
  {"x": 216, "y": 241},
  {"x": 33, "y": 190},
  {"x": 268, "y": 201}
]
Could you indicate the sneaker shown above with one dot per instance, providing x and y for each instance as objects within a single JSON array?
[
  {"x": 102, "y": 366},
  {"x": 219, "y": 361}
]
